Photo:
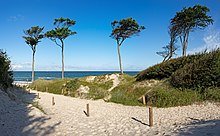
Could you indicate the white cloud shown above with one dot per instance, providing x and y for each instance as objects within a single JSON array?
[
  {"x": 16, "y": 18},
  {"x": 211, "y": 42},
  {"x": 54, "y": 67},
  {"x": 21, "y": 66}
]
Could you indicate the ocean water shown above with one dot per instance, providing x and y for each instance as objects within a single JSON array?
[{"x": 49, "y": 75}]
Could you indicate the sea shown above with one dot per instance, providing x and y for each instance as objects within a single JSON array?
[{"x": 51, "y": 75}]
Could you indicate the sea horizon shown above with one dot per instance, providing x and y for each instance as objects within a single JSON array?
[{"x": 50, "y": 75}]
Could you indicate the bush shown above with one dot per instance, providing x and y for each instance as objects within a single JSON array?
[
  {"x": 202, "y": 73},
  {"x": 6, "y": 74},
  {"x": 212, "y": 94},
  {"x": 51, "y": 86},
  {"x": 128, "y": 93},
  {"x": 165, "y": 95},
  {"x": 165, "y": 69}
]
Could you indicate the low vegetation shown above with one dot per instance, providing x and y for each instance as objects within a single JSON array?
[
  {"x": 177, "y": 82},
  {"x": 74, "y": 87}
]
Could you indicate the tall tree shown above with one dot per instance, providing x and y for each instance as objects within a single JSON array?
[
  {"x": 32, "y": 38},
  {"x": 188, "y": 20},
  {"x": 60, "y": 33},
  {"x": 122, "y": 30}
]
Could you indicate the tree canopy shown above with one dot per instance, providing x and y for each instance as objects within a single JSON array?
[
  {"x": 188, "y": 20},
  {"x": 34, "y": 34},
  {"x": 125, "y": 28},
  {"x": 61, "y": 30}
]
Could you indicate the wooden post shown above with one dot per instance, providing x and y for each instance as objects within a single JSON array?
[
  {"x": 53, "y": 103},
  {"x": 151, "y": 116},
  {"x": 38, "y": 95},
  {"x": 87, "y": 107},
  {"x": 144, "y": 100},
  {"x": 46, "y": 89}
]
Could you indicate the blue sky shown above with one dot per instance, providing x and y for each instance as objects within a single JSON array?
[{"x": 92, "y": 48}]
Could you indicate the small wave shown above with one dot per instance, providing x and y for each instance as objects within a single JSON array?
[{"x": 47, "y": 78}]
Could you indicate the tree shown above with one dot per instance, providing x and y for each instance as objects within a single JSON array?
[
  {"x": 188, "y": 20},
  {"x": 34, "y": 34},
  {"x": 166, "y": 54},
  {"x": 122, "y": 30},
  {"x": 6, "y": 74},
  {"x": 60, "y": 33}
]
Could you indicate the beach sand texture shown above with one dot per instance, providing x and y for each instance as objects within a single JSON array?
[{"x": 67, "y": 118}]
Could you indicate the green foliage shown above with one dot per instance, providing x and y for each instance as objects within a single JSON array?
[
  {"x": 204, "y": 72},
  {"x": 34, "y": 34},
  {"x": 125, "y": 28},
  {"x": 211, "y": 94},
  {"x": 51, "y": 86},
  {"x": 69, "y": 86},
  {"x": 171, "y": 98},
  {"x": 190, "y": 19},
  {"x": 61, "y": 30},
  {"x": 6, "y": 74},
  {"x": 128, "y": 92},
  {"x": 165, "y": 69}
]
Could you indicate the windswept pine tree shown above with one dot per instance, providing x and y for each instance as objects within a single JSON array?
[
  {"x": 32, "y": 38},
  {"x": 122, "y": 30},
  {"x": 60, "y": 33},
  {"x": 188, "y": 20}
]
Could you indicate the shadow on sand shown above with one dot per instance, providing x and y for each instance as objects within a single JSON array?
[
  {"x": 140, "y": 121},
  {"x": 19, "y": 118},
  {"x": 201, "y": 128}
]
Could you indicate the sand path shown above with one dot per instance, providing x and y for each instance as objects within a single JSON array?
[
  {"x": 67, "y": 117},
  {"x": 115, "y": 119}
]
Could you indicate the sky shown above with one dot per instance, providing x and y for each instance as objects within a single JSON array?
[{"x": 92, "y": 48}]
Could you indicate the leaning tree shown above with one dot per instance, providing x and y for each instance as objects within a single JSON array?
[
  {"x": 122, "y": 30},
  {"x": 188, "y": 20},
  {"x": 60, "y": 33},
  {"x": 32, "y": 38}
]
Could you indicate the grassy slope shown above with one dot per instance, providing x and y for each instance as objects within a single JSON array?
[{"x": 162, "y": 94}]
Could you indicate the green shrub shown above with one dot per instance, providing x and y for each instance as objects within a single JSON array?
[
  {"x": 51, "y": 86},
  {"x": 202, "y": 73},
  {"x": 165, "y": 69},
  {"x": 211, "y": 94},
  {"x": 170, "y": 98},
  {"x": 6, "y": 74},
  {"x": 127, "y": 94}
]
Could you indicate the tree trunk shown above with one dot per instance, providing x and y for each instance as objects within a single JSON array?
[
  {"x": 185, "y": 42},
  {"x": 33, "y": 66},
  {"x": 62, "y": 59},
  {"x": 171, "y": 49},
  {"x": 119, "y": 55}
]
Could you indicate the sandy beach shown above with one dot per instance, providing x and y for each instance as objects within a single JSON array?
[{"x": 68, "y": 117}]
